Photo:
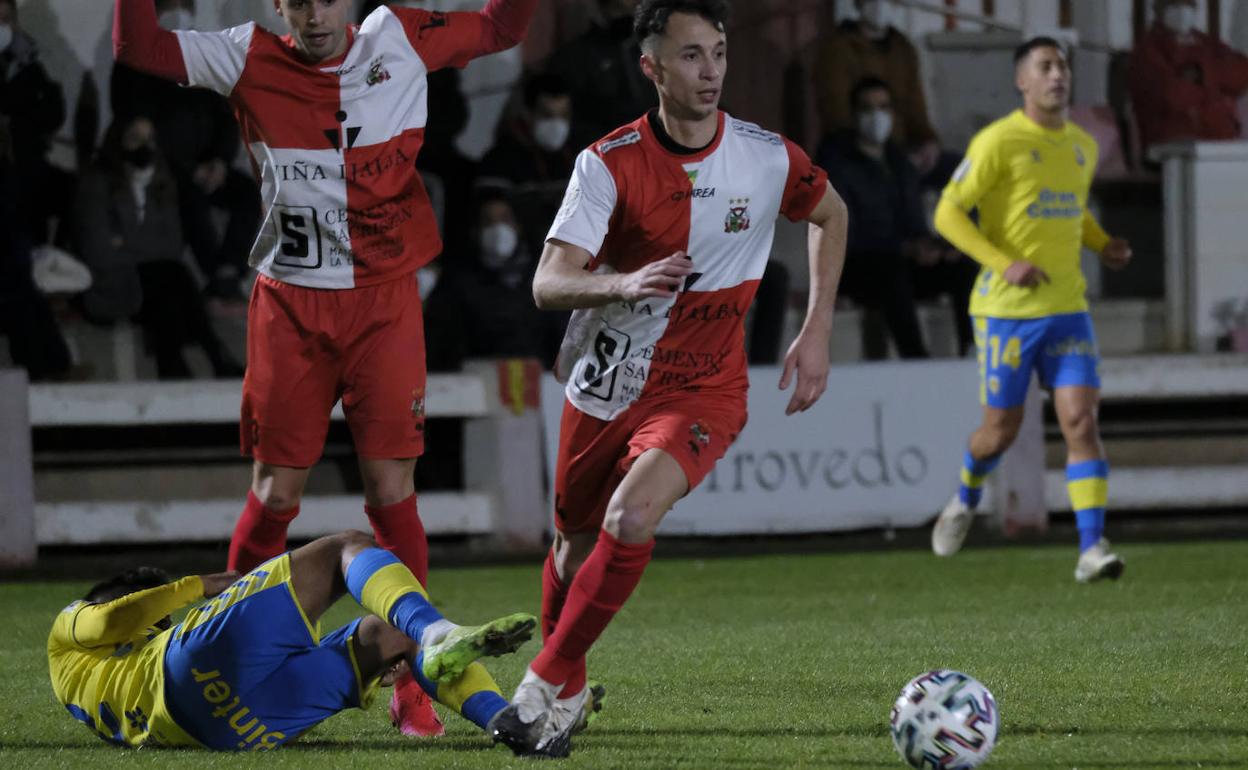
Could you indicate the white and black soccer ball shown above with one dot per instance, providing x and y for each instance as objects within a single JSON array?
[{"x": 945, "y": 720}]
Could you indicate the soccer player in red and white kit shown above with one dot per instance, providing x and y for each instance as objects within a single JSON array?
[
  {"x": 664, "y": 232},
  {"x": 333, "y": 116}
]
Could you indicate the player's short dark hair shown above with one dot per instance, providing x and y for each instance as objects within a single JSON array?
[
  {"x": 869, "y": 83},
  {"x": 546, "y": 84},
  {"x": 137, "y": 579},
  {"x": 1043, "y": 41},
  {"x": 652, "y": 16}
]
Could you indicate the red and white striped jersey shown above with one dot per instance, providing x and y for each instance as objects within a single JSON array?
[
  {"x": 632, "y": 201},
  {"x": 334, "y": 144}
]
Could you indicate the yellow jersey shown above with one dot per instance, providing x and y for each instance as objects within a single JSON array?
[
  {"x": 107, "y": 664},
  {"x": 1030, "y": 184}
]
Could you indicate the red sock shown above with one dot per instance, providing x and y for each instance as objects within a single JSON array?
[
  {"x": 399, "y": 530},
  {"x": 259, "y": 535},
  {"x": 554, "y": 594},
  {"x": 602, "y": 585}
]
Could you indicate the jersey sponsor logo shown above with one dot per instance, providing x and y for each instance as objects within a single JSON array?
[
  {"x": 253, "y": 734},
  {"x": 599, "y": 374},
  {"x": 377, "y": 72},
  {"x": 632, "y": 137},
  {"x": 1055, "y": 204},
  {"x": 738, "y": 219},
  {"x": 697, "y": 192},
  {"x": 751, "y": 131}
]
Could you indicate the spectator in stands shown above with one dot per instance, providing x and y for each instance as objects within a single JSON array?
[
  {"x": 891, "y": 258},
  {"x": 35, "y": 341},
  {"x": 533, "y": 155},
  {"x": 872, "y": 46},
  {"x": 600, "y": 67},
  {"x": 1184, "y": 83},
  {"x": 34, "y": 105},
  {"x": 483, "y": 301},
  {"x": 199, "y": 140},
  {"x": 132, "y": 240}
]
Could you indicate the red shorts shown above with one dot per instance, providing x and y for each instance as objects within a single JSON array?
[
  {"x": 307, "y": 348},
  {"x": 594, "y": 455}
]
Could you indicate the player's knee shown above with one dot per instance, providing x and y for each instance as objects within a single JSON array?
[
  {"x": 1081, "y": 426},
  {"x": 274, "y": 498},
  {"x": 354, "y": 538},
  {"x": 632, "y": 521}
]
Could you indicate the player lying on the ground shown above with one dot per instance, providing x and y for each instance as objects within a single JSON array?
[{"x": 249, "y": 669}]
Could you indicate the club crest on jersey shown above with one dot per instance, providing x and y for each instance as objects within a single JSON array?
[
  {"x": 738, "y": 219},
  {"x": 1079, "y": 156},
  {"x": 377, "y": 72},
  {"x": 700, "y": 437}
]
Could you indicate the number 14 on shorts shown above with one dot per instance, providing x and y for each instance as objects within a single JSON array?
[{"x": 1011, "y": 355}]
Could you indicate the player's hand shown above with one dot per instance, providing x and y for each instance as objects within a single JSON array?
[
  {"x": 1023, "y": 273},
  {"x": 808, "y": 357},
  {"x": 215, "y": 584},
  {"x": 660, "y": 279},
  {"x": 1117, "y": 254}
]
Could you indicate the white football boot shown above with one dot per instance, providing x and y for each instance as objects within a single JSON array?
[
  {"x": 1098, "y": 562},
  {"x": 952, "y": 526}
]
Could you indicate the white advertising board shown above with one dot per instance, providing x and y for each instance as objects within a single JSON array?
[{"x": 882, "y": 448}]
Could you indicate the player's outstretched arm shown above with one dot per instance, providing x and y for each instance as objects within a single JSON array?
[
  {"x": 140, "y": 43},
  {"x": 808, "y": 356},
  {"x": 563, "y": 283},
  {"x": 454, "y": 39},
  {"x": 122, "y": 619}
]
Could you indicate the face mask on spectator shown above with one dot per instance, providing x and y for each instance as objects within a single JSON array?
[
  {"x": 498, "y": 243},
  {"x": 142, "y": 157},
  {"x": 1179, "y": 19},
  {"x": 6, "y": 36},
  {"x": 177, "y": 18},
  {"x": 877, "y": 14},
  {"x": 875, "y": 126},
  {"x": 551, "y": 133}
]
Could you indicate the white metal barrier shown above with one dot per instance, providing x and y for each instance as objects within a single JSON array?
[{"x": 503, "y": 499}]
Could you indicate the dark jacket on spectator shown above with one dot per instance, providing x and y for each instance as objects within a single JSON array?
[
  {"x": 885, "y": 208},
  {"x": 30, "y": 99},
  {"x": 608, "y": 88},
  {"x": 1184, "y": 92},
  {"x": 115, "y": 241},
  {"x": 847, "y": 56}
]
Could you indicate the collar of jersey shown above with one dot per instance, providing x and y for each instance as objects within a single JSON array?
[
  {"x": 1031, "y": 126},
  {"x": 693, "y": 157}
]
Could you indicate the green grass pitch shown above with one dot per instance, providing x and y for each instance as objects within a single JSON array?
[{"x": 793, "y": 661}]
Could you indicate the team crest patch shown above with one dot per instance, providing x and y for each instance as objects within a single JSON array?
[
  {"x": 1079, "y": 156},
  {"x": 418, "y": 408},
  {"x": 1035, "y": 156},
  {"x": 700, "y": 436},
  {"x": 738, "y": 219},
  {"x": 377, "y": 72}
]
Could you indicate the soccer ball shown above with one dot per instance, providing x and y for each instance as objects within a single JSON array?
[{"x": 944, "y": 719}]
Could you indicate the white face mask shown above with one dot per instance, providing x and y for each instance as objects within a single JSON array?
[
  {"x": 6, "y": 36},
  {"x": 551, "y": 133},
  {"x": 498, "y": 243},
  {"x": 1179, "y": 19},
  {"x": 177, "y": 18},
  {"x": 875, "y": 126},
  {"x": 877, "y": 14}
]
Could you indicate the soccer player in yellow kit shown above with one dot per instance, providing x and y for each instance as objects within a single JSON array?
[
  {"x": 249, "y": 669},
  {"x": 1028, "y": 174}
]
